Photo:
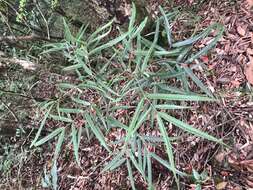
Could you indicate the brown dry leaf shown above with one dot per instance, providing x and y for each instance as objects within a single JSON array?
[
  {"x": 250, "y": 132},
  {"x": 241, "y": 31},
  {"x": 235, "y": 83},
  {"x": 221, "y": 185},
  {"x": 220, "y": 157},
  {"x": 233, "y": 162},
  {"x": 249, "y": 183},
  {"x": 250, "y": 168},
  {"x": 249, "y": 71},
  {"x": 249, "y": 51},
  {"x": 248, "y": 164},
  {"x": 248, "y": 129},
  {"x": 250, "y": 2}
]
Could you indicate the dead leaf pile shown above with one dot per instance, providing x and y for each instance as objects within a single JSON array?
[
  {"x": 250, "y": 3},
  {"x": 235, "y": 49},
  {"x": 232, "y": 68}
]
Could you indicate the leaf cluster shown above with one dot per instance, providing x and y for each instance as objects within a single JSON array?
[{"x": 127, "y": 74}]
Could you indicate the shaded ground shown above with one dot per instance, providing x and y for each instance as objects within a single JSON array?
[{"x": 232, "y": 120}]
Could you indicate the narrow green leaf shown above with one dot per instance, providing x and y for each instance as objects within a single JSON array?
[
  {"x": 115, "y": 162},
  {"x": 138, "y": 56},
  {"x": 100, "y": 37},
  {"x": 100, "y": 29},
  {"x": 140, "y": 28},
  {"x": 109, "y": 44},
  {"x": 41, "y": 125},
  {"x": 60, "y": 118},
  {"x": 136, "y": 114},
  {"x": 151, "y": 49},
  {"x": 118, "y": 164},
  {"x": 106, "y": 87},
  {"x": 54, "y": 176},
  {"x": 67, "y": 33},
  {"x": 130, "y": 174},
  {"x": 148, "y": 43},
  {"x": 179, "y": 97},
  {"x": 134, "y": 120},
  {"x": 170, "y": 89},
  {"x": 67, "y": 86},
  {"x": 145, "y": 157},
  {"x": 49, "y": 137},
  {"x": 154, "y": 139},
  {"x": 170, "y": 106},
  {"x": 139, "y": 147},
  {"x": 81, "y": 58},
  {"x": 100, "y": 116},
  {"x": 136, "y": 165},
  {"x": 75, "y": 143},
  {"x": 121, "y": 108},
  {"x": 167, "y": 26},
  {"x": 171, "y": 53},
  {"x": 79, "y": 101},
  {"x": 69, "y": 110},
  {"x": 209, "y": 46},
  {"x": 169, "y": 148},
  {"x": 79, "y": 135},
  {"x": 141, "y": 120},
  {"x": 184, "y": 53},
  {"x": 80, "y": 33},
  {"x": 198, "y": 82},
  {"x": 194, "y": 39},
  {"x": 73, "y": 67},
  {"x": 54, "y": 47},
  {"x": 196, "y": 175},
  {"x": 132, "y": 17},
  {"x": 113, "y": 122},
  {"x": 150, "y": 178},
  {"x": 59, "y": 145},
  {"x": 167, "y": 165},
  {"x": 188, "y": 128},
  {"x": 97, "y": 132}
]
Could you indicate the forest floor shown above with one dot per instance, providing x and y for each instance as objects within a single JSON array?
[{"x": 228, "y": 74}]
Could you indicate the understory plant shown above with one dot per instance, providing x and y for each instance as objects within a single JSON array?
[{"x": 129, "y": 84}]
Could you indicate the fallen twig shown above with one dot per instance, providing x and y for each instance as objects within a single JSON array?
[
  {"x": 28, "y": 65},
  {"x": 15, "y": 39}
]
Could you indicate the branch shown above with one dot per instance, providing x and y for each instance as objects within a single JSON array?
[
  {"x": 28, "y": 65},
  {"x": 15, "y": 39}
]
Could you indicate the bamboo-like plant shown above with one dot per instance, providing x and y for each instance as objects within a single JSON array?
[{"x": 146, "y": 71}]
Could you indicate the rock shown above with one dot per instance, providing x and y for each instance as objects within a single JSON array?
[
  {"x": 92, "y": 12},
  {"x": 78, "y": 12}
]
